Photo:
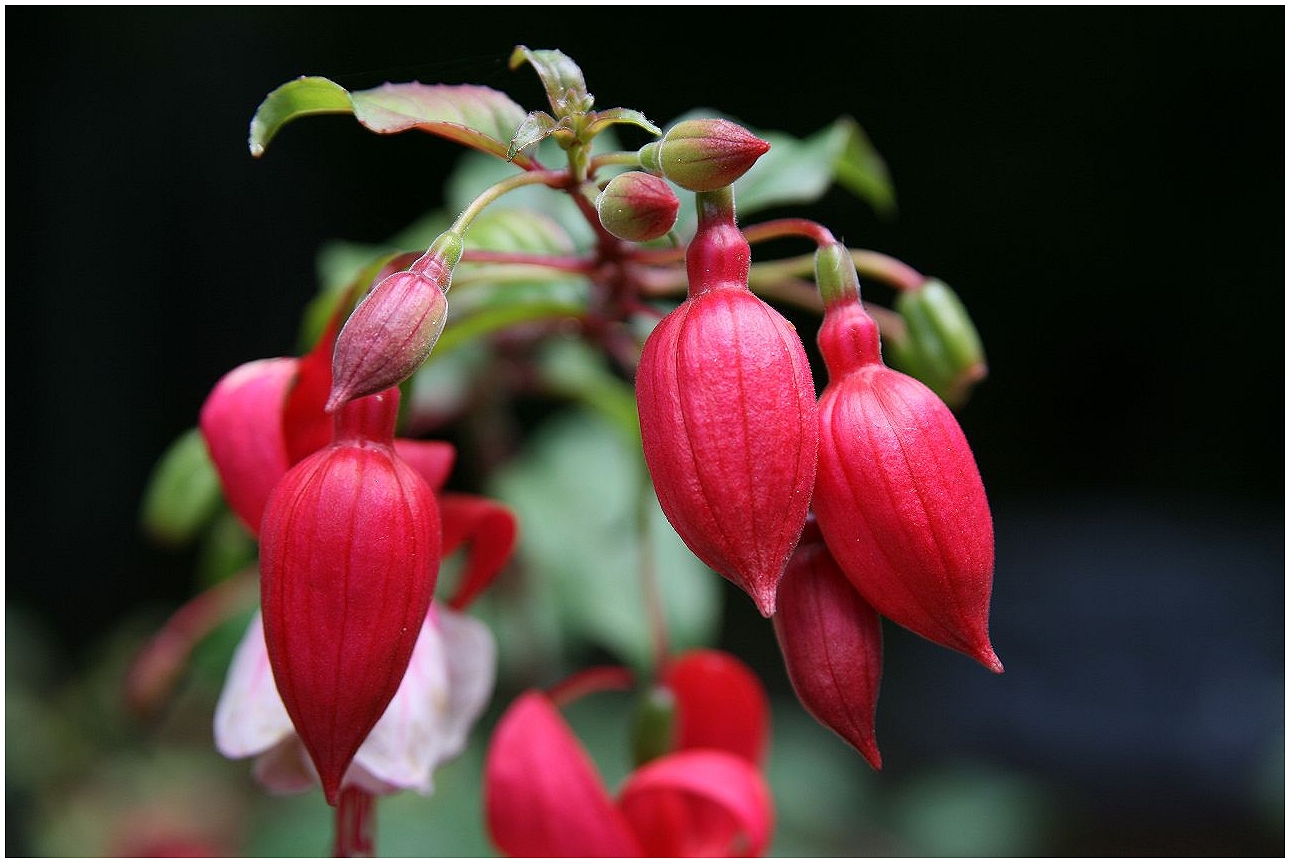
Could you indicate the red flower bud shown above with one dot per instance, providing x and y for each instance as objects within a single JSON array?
[
  {"x": 832, "y": 644},
  {"x": 394, "y": 328},
  {"x": 898, "y": 497},
  {"x": 349, "y": 553},
  {"x": 728, "y": 418},
  {"x": 703, "y": 155},
  {"x": 638, "y": 207}
]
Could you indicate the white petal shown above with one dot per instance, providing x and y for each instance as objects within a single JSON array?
[
  {"x": 250, "y": 717},
  {"x": 430, "y": 715},
  {"x": 472, "y": 672},
  {"x": 286, "y": 768}
]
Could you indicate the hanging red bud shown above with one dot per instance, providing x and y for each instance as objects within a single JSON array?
[
  {"x": 899, "y": 498},
  {"x": 727, "y": 414},
  {"x": 637, "y": 207},
  {"x": 831, "y": 640},
  {"x": 393, "y": 329},
  {"x": 349, "y": 553},
  {"x": 703, "y": 155}
]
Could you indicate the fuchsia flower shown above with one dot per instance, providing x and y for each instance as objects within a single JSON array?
[
  {"x": 705, "y": 797},
  {"x": 447, "y": 685},
  {"x": 259, "y": 420},
  {"x": 898, "y": 495},
  {"x": 728, "y": 416}
]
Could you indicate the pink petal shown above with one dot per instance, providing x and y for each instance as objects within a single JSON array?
[
  {"x": 720, "y": 705},
  {"x": 699, "y": 803},
  {"x": 241, "y": 422},
  {"x": 542, "y": 795}
]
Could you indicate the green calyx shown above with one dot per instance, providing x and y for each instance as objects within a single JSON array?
[{"x": 835, "y": 274}]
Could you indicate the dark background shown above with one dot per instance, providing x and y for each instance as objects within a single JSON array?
[{"x": 1103, "y": 186}]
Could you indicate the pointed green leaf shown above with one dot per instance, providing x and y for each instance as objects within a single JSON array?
[
  {"x": 566, "y": 89},
  {"x": 183, "y": 493},
  {"x": 862, "y": 171},
  {"x": 601, "y": 119},
  {"x": 294, "y": 99},
  {"x": 477, "y": 116},
  {"x": 793, "y": 171}
]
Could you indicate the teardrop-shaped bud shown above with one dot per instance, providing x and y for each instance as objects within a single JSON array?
[
  {"x": 831, "y": 640},
  {"x": 899, "y": 497},
  {"x": 637, "y": 207},
  {"x": 728, "y": 417},
  {"x": 394, "y": 328},
  {"x": 703, "y": 155},
  {"x": 349, "y": 553}
]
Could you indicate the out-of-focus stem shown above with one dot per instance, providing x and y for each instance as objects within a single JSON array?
[
  {"x": 554, "y": 179},
  {"x": 355, "y": 823}
]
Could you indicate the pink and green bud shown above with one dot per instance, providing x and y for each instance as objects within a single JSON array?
[
  {"x": 942, "y": 347},
  {"x": 349, "y": 554},
  {"x": 637, "y": 207},
  {"x": 703, "y": 155},
  {"x": 831, "y": 640},
  {"x": 898, "y": 495},
  {"x": 727, "y": 415},
  {"x": 392, "y": 331}
]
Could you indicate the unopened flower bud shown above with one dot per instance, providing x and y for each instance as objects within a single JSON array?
[
  {"x": 942, "y": 349},
  {"x": 831, "y": 640},
  {"x": 727, "y": 415},
  {"x": 703, "y": 155},
  {"x": 898, "y": 496},
  {"x": 638, "y": 207},
  {"x": 393, "y": 329}
]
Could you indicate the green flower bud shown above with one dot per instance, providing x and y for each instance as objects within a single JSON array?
[
  {"x": 703, "y": 155},
  {"x": 638, "y": 207},
  {"x": 943, "y": 348}
]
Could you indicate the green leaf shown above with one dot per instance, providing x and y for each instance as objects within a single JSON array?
[
  {"x": 184, "y": 492},
  {"x": 566, "y": 89},
  {"x": 571, "y": 368},
  {"x": 536, "y": 128},
  {"x": 793, "y": 171},
  {"x": 293, "y": 99},
  {"x": 477, "y": 116},
  {"x": 579, "y": 489},
  {"x": 862, "y": 171},
  {"x": 601, "y": 119}
]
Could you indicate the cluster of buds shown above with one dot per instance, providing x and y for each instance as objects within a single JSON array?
[
  {"x": 830, "y": 510},
  {"x": 741, "y": 456}
]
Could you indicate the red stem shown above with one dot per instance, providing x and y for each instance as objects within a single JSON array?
[
  {"x": 777, "y": 228},
  {"x": 355, "y": 823}
]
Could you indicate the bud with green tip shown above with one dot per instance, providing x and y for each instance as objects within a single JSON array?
[
  {"x": 393, "y": 329},
  {"x": 703, "y": 155},
  {"x": 637, "y": 207},
  {"x": 942, "y": 347}
]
